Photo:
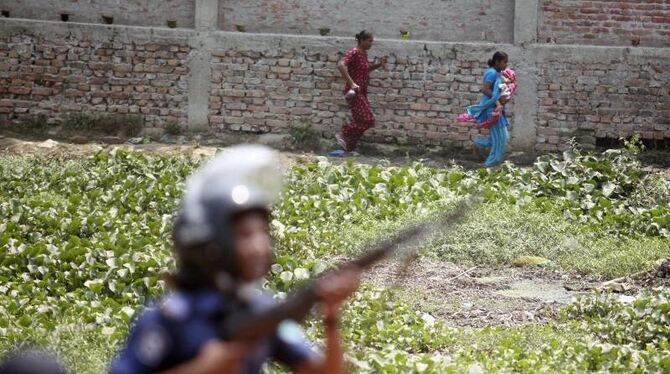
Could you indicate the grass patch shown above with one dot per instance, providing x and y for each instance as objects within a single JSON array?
[
  {"x": 109, "y": 124},
  {"x": 173, "y": 128},
  {"x": 304, "y": 137},
  {"x": 34, "y": 124},
  {"x": 498, "y": 233}
]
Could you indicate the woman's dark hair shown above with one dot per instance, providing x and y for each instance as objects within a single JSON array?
[
  {"x": 498, "y": 56},
  {"x": 363, "y": 35}
]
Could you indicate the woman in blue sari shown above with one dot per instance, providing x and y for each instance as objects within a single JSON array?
[{"x": 492, "y": 104}]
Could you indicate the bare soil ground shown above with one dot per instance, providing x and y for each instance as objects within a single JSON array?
[{"x": 481, "y": 296}]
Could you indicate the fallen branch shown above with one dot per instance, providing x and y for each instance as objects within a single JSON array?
[
  {"x": 462, "y": 274},
  {"x": 661, "y": 269}
]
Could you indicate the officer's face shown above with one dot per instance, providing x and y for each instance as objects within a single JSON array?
[{"x": 253, "y": 245}]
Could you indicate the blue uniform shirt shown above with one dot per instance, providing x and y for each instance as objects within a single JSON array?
[{"x": 174, "y": 332}]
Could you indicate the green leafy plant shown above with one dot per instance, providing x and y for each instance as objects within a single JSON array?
[
  {"x": 85, "y": 241},
  {"x": 634, "y": 145}
]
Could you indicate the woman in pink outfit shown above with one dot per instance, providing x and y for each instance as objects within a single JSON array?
[{"x": 355, "y": 70}]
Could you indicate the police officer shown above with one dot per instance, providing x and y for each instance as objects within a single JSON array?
[{"x": 223, "y": 249}]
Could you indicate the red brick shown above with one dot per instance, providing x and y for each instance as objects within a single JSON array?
[
  {"x": 605, "y": 23},
  {"x": 41, "y": 91},
  {"x": 19, "y": 90}
]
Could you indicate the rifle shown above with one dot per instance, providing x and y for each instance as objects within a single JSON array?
[{"x": 245, "y": 325}]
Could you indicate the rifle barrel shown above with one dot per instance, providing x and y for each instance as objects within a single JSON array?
[{"x": 246, "y": 325}]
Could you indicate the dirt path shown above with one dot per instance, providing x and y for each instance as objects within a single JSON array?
[
  {"x": 480, "y": 296},
  {"x": 10, "y": 144},
  {"x": 653, "y": 161},
  {"x": 15, "y": 146}
]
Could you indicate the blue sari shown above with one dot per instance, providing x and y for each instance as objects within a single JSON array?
[{"x": 498, "y": 135}]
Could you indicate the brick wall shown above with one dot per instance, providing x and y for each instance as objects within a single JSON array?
[
  {"x": 602, "y": 98},
  {"x": 265, "y": 83},
  {"x": 605, "y": 22},
  {"x": 416, "y": 101},
  {"x": 125, "y": 12},
  {"x": 453, "y": 20},
  {"x": 53, "y": 75}
]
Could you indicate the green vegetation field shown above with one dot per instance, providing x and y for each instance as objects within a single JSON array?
[{"x": 84, "y": 241}]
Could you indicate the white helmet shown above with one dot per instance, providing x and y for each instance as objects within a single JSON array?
[{"x": 239, "y": 179}]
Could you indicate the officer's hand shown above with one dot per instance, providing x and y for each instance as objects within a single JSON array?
[
  {"x": 218, "y": 357},
  {"x": 334, "y": 288}
]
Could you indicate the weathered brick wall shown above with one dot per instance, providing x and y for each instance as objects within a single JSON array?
[
  {"x": 416, "y": 100},
  {"x": 265, "y": 83},
  {"x": 605, "y": 22},
  {"x": 452, "y": 20},
  {"x": 52, "y": 75},
  {"x": 599, "y": 96},
  {"x": 125, "y": 12}
]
